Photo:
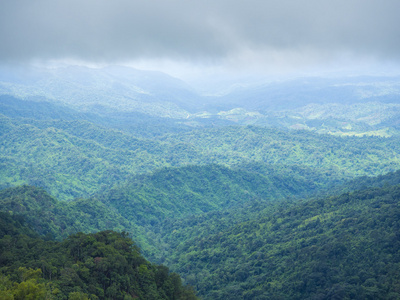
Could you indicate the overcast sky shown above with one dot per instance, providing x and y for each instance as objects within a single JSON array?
[{"x": 226, "y": 35}]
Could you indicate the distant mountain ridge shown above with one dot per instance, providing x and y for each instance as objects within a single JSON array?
[
  {"x": 115, "y": 88},
  {"x": 128, "y": 94}
]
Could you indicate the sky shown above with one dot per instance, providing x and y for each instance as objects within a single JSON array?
[{"x": 201, "y": 38}]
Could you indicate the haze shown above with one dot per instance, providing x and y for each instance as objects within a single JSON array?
[{"x": 198, "y": 39}]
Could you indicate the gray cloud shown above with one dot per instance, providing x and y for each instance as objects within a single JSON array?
[{"x": 123, "y": 30}]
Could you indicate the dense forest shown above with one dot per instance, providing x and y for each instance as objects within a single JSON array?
[
  {"x": 328, "y": 247},
  {"x": 73, "y": 159},
  {"x": 235, "y": 212},
  {"x": 341, "y": 247},
  {"x": 102, "y": 265}
]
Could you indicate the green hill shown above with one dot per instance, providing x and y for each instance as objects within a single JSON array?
[
  {"x": 343, "y": 156},
  {"x": 177, "y": 192},
  {"x": 43, "y": 109},
  {"x": 148, "y": 200},
  {"x": 73, "y": 159},
  {"x": 55, "y": 219},
  {"x": 340, "y": 247},
  {"x": 343, "y": 246},
  {"x": 77, "y": 158},
  {"x": 224, "y": 231},
  {"x": 104, "y": 265}
]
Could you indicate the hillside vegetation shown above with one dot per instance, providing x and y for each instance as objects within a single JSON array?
[
  {"x": 104, "y": 265},
  {"x": 342, "y": 246},
  {"x": 73, "y": 159},
  {"x": 147, "y": 200},
  {"x": 338, "y": 247},
  {"x": 280, "y": 190}
]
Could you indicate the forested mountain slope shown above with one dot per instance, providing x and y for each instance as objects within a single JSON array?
[
  {"x": 177, "y": 192},
  {"x": 136, "y": 123},
  {"x": 148, "y": 200},
  {"x": 346, "y": 156},
  {"x": 102, "y": 89},
  {"x": 174, "y": 231},
  {"x": 330, "y": 247},
  {"x": 77, "y": 158},
  {"x": 55, "y": 219},
  {"x": 218, "y": 227},
  {"x": 104, "y": 265},
  {"x": 344, "y": 246}
]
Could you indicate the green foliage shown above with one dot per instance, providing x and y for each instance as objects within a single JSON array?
[
  {"x": 191, "y": 190},
  {"x": 338, "y": 156},
  {"x": 170, "y": 193},
  {"x": 243, "y": 249},
  {"x": 138, "y": 124},
  {"x": 76, "y": 158},
  {"x": 219, "y": 206},
  {"x": 343, "y": 247},
  {"x": 104, "y": 265},
  {"x": 73, "y": 159},
  {"x": 54, "y": 219}
]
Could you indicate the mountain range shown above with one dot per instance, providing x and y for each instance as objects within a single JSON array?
[
  {"x": 277, "y": 190},
  {"x": 347, "y": 104}
]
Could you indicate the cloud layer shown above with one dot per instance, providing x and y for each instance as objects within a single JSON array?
[{"x": 199, "y": 31}]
